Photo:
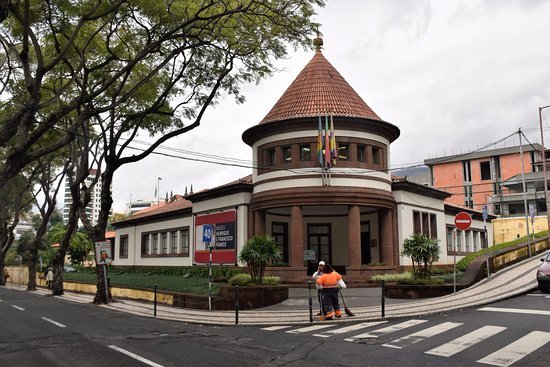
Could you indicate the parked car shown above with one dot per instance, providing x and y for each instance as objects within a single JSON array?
[{"x": 543, "y": 274}]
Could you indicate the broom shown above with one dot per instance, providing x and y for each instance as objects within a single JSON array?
[{"x": 346, "y": 309}]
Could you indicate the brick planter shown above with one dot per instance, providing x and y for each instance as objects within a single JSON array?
[
  {"x": 255, "y": 296},
  {"x": 419, "y": 291}
]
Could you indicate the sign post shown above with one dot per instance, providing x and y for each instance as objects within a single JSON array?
[
  {"x": 463, "y": 221},
  {"x": 104, "y": 257},
  {"x": 207, "y": 238}
]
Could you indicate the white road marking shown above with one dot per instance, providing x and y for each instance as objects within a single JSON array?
[
  {"x": 53, "y": 322},
  {"x": 275, "y": 328},
  {"x": 307, "y": 329},
  {"x": 515, "y": 310},
  {"x": 538, "y": 295},
  {"x": 387, "y": 330},
  {"x": 421, "y": 335},
  {"x": 135, "y": 356},
  {"x": 17, "y": 307},
  {"x": 517, "y": 350},
  {"x": 348, "y": 329},
  {"x": 458, "y": 345}
]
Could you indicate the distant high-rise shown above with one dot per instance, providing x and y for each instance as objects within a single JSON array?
[{"x": 93, "y": 207}]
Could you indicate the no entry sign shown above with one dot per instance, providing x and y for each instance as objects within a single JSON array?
[{"x": 463, "y": 221}]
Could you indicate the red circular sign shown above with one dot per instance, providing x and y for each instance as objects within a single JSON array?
[{"x": 463, "y": 221}]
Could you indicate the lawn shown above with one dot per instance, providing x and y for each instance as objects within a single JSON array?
[{"x": 175, "y": 283}]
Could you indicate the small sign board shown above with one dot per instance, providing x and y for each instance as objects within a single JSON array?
[
  {"x": 463, "y": 221},
  {"x": 309, "y": 255},
  {"x": 207, "y": 233},
  {"x": 103, "y": 253}
]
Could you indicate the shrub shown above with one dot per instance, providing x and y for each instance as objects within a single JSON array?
[
  {"x": 257, "y": 253},
  {"x": 241, "y": 279},
  {"x": 391, "y": 278},
  {"x": 423, "y": 251},
  {"x": 271, "y": 280}
]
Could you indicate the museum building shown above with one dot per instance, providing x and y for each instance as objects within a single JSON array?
[{"x": 321, "y": 187}]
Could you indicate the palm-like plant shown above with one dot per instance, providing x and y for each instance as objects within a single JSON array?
[
  {"x": 423, "y": 251},
  {"x": 257, "y": 253}
]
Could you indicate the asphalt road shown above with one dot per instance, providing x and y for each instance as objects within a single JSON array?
[{"x": 44, "y": 331}]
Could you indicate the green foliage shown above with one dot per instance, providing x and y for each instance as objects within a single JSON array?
[
  {"x": 241, "y": 279},
  {"x": 423, "y": 251},
  {"x": 391, "y": 278},
  {"x": 80, "y": 246},
  {"x": 219, "y": 273},
  {"x": 463, "y": 263},
  {"x": 257, "y": 253}
]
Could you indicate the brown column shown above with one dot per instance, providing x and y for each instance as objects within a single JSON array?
[
  {"x": 386, "y": 236},
  {"x": 296, "y": 237},
  {"x": 354, "y": 236},
  {"x": 259, "y": 222}
]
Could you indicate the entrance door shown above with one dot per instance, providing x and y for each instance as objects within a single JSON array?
[
  {"x": 366, "y": 256},
  {"x": 318, "y": 239}
]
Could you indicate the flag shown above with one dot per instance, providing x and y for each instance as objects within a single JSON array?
[
  {"x": 333, "y": 148},
  {"x": 320, "y": 143},
  {"x": 327, "y": 143}
]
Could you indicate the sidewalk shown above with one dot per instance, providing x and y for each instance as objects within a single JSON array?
[{"x": 365, "y": 303}]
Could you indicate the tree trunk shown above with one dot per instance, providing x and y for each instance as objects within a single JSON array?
[
  {"x": 57, "y": 284},
  {"x": 31, "y": 284},
  {"x": 2, "y": 264},
  {"x": 102, "y": 288}
]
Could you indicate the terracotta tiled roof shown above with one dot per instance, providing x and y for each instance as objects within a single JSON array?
[
  {"x": 319, "y": 88},
  {"x": 166, "y": 208}
]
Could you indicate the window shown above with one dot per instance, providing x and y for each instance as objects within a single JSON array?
[
  {"x": 184, "y": 241},
  {"x": 485, "y": 168},
  {"x": 123, "y": 252},
  {"x": 343, "y": 152},
  {"x": 425, "y": 223},
  {"x": 164, "y": 243},
  {"x": 287, "y": 155},
  {"x": 376, "y": 155},
  {"x": 145, "y": 244},
  {"x": 270, "y": 157},
  {"x": 361, "y": 153},
  {"x": 279, "y": 231},
  {"x": 174, "y": 242},
  {"x": 155, "y": 244},
  {"x": 468, "y": 241},
  {"x": 305, "y": 153},
  {"x": 466, "y": 171},
  {"x": 450, "y": 239}
]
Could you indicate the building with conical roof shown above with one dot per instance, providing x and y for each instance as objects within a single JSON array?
[{"x": 321, "y": 187}]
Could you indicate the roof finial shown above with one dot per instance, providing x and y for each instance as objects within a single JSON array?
[{"x": 318, "y": 42}]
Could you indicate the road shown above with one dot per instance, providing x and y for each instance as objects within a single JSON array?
[{"x": 44, "y": 331}]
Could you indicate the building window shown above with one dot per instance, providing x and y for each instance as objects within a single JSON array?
[
  {"x": 376, "y": 155},
  {"x": 184, "y": 241},
  {"x": 155, "y": 244},
  {"x": 466, "y": 171},
  {"x": 270, "y": 157},
  {"x": 425, "y": 223},
  {"x": 343, "y": 152},
  {"x": 361, "y": 153},
  {"x": 145, "y": 244},
  {"x": 123, "y": 251},
  {"x": 174, "y": 242},
  {"x": 305, "y": 153},
  {"x": 287, "y": 154},
  {"x": 450, "y": 239},
  {"x": 279, "y": 231},
  {"x": 485, "y": 168},
  {"x": 164, "y": 243}
]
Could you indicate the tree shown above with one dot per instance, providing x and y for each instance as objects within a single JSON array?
[
  {"x": 257, "y": 253},
  {"x": 423, "y": 251},
  {"x": 124, "y": 68}
]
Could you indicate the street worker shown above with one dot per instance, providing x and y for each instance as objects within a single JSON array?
[
  {"x": 316, "y": 275},
  {"x": 329, "y": 290}
]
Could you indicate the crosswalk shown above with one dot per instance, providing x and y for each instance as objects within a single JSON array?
[{"x": 507, "y": 355}]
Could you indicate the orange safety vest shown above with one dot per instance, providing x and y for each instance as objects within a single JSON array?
[{"x": 329, "y": 280}]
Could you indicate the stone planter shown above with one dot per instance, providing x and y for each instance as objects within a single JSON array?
[{"x": 406, "y": 291}]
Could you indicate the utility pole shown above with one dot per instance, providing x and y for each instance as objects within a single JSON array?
[
  {"x": 544, "y": 167},
  {"x": 524, "y": 193}
]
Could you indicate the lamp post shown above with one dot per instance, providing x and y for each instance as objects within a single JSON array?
[
  {"x": 544, "y": 166},
  {"x": 158, "y": 191}
]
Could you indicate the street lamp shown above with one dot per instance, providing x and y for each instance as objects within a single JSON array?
[
  {"x": 544, "y": 166},
  {"x": 158, "y": 191}
]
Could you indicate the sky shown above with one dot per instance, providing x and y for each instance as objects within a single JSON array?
[{"x": 453, "y": 76}]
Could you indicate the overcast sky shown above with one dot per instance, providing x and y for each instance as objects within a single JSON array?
[{"x": 454, "y": 76}]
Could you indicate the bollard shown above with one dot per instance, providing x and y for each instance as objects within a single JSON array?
[
  {"x": 155, "y": 301},
  {"x": 310, "y": 303},
  {"x": 236, "y": 304},
  {"x": 383, "y": 299}
]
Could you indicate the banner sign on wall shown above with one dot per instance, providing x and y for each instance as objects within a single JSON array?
[{"x": 223, "y": 239}]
